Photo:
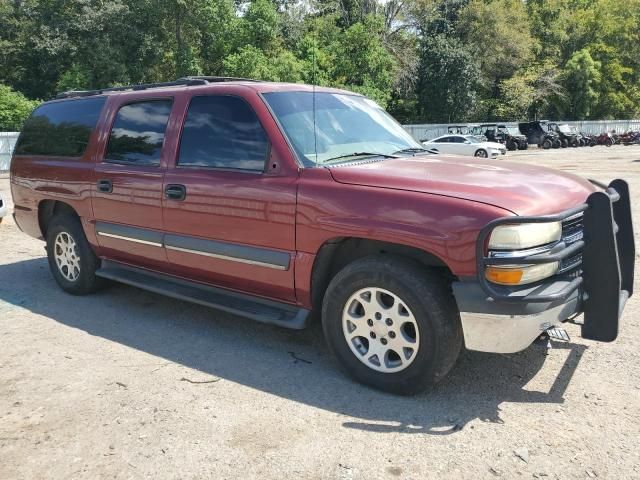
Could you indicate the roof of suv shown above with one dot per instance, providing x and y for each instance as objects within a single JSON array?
[{"x": 203, "y": 83}]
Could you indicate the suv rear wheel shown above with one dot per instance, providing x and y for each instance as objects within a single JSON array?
[
  {"x": 391, "y": 324},
  {"x": 71, "y": 259}
]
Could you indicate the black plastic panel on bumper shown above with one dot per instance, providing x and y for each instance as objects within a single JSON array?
[{"x": 605, "y": 280}]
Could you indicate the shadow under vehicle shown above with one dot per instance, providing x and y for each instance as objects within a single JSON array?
[{"x": 538, "y": 133}]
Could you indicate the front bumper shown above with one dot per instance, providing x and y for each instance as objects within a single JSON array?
[{"x": 508, "y": 319}]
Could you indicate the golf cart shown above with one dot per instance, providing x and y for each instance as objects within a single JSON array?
[
  {"x": 567, "y": 137},
  {"x": 509, "y": 136},
  {"x": 458, "y": 129},
  {"x": 538, "y": 133}
]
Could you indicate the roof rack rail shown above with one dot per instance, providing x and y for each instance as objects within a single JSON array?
[
  {"x": 213, "y": 79},
  {"x": 185, "y": 81}
]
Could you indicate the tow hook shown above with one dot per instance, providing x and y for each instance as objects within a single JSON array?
[{"x": 554, "y": 333}]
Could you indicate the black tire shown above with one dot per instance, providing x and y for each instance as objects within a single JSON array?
[
  {"x": 481, "y": 153},
  {"x": 564, "y": 143},
  {"x": 575, "y": 143},
  {"x": 556, "y": 143},
  {"x": 426, "y": 295},
  {"x": 547, "y": 144},
  {"x": 523, "y": 146},
  {"x": 608, "y": 142},
  {"x": 512, "y": 145},
  {"x": 86, "y": 281}
]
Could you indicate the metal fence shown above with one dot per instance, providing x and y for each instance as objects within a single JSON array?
[
  {"x": 427, "y": 131},
  {"x": 7, "y": 142}
]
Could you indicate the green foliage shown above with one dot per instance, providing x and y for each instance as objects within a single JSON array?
[
  {"x": 448, "y": 78},
  {"x": 14, "y": 109},
  {"x": 435, "y": 60},
  {"x": 582, "y": 77}
]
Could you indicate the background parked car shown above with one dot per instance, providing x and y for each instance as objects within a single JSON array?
[
  {"x": 3, "y": 209},
  {"x": 467, "y": 145}
]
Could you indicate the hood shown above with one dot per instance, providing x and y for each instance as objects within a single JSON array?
[{"x": 520, "y": 188}]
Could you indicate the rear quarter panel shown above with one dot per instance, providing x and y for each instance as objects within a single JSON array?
[{"x": 67, "y": 179}]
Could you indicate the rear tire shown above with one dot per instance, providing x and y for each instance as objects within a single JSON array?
[
  {"x": 71, "y": 259},
  {"x": 387, "y": 300},
  {"x": 547, "y": 144}
]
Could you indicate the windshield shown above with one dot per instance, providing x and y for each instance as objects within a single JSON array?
[
  {"x": 564, "y": 128},
  {"x": 513, "y": 131},
  {"x": 346, "y": 127}
]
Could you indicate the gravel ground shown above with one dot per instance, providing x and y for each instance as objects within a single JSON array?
[{"x": 128, "y": 384}]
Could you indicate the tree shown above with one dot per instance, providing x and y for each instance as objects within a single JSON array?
[
  {"x": 447, "y": 80},
  {"x": 14, "y": 109},
  {"x": 581, "y": 78}
]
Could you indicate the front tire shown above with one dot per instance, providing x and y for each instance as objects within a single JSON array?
[
  {"x": 481, "y": 153},
  {"x": 392, "y": 324},
  {"x": 71, "y": 259}
]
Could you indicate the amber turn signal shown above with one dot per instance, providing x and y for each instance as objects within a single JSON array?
[{"x": 504, "y": 276}]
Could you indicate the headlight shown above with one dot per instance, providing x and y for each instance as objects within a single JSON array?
[
  {"x": 524, "y": 235},
  {"x": 521, "y": 274},
  {"x": 513, "y": 237}
]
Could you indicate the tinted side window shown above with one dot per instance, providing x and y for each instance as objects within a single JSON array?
[
  {"x": 60, "y": 128},
  {"x": 222, "y": 132},
  {"x": 138, "y": 131}
]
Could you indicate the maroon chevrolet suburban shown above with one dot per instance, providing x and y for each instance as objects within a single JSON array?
[{"x": 272, "y": 201}]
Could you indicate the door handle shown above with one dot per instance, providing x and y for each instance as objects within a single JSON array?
[
  {"x": 105, "y": 186},
  {"x": 175, "y": 192}
]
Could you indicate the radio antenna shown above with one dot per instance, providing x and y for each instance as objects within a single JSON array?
[{"x": 313, "y": 81}]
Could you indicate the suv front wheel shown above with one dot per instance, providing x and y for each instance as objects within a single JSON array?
[
  {"x": 392, "y": 324},
  {"x": 71, "y": 259}
]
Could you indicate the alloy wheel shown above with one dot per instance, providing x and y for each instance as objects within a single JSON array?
[
  {"x": 67, "y": 256},
  {"x": 380, "y": 330}
]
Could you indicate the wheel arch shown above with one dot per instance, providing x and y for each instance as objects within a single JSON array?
[
  {"x": 47, "y": 209},
  {"x": 337, "y": 253}
]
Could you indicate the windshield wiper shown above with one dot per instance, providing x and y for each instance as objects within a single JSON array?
[
  {"x": 360, "y": 154},
  {"x": 412, "y": 150}
]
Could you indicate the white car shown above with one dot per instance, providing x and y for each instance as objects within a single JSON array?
[
  {"x": 3, "y": 209},
  {"x": 465, "y": 145}
]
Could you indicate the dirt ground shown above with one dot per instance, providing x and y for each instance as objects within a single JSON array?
[{"x": 129, "y": 384}]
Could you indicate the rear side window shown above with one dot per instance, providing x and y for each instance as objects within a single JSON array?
[
  {"x": 60, "y": 128},
  {"x": 138, "y": 132},
  {"x": 223, "y": 132}
]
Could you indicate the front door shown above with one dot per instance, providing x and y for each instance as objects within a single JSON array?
[
  {"x": 127, "y": 191},
  {"x": 228, "y": 221}
]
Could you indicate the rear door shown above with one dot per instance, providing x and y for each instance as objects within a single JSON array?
[
  {"x": 127, "y": 188},
  {"x": 459, "y": 146},
  {"x": 229, "y": 220}
]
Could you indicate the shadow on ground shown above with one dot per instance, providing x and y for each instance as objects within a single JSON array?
[{"x": 290, "y": 364}]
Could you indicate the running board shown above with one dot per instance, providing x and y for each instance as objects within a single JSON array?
[{"x": 254, "y": 308}]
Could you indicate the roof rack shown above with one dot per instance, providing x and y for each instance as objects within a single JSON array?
[{"x": 185, "y": 82}]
